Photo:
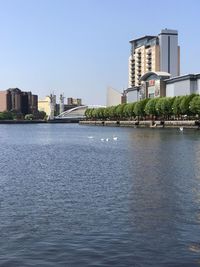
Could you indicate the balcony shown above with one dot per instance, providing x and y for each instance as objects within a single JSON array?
[{"x": 132, "y": 70}]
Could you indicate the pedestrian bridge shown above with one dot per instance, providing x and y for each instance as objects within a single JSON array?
[{"x": 76, "y": 113}]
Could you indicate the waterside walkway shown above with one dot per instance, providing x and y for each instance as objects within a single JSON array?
[{"x": 148, "y": 124}]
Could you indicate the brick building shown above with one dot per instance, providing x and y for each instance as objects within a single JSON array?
[{"x": 14, "y": 99}]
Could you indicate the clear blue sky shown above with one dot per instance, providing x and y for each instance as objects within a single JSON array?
[{"x": 80, "y": 47}]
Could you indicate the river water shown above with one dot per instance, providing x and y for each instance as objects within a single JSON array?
[{"x": 67, "y": 198}]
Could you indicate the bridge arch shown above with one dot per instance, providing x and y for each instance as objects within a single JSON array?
[{"x": 76, "y": 113}]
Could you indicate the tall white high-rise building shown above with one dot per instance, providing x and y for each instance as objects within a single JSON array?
[{"x": 154, "y": 53}]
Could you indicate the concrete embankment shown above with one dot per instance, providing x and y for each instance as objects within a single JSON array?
[
  {"x": 38, "y": 121},
  {"x": 146, "y": 124},
  {"x": 21, "y": 121}
]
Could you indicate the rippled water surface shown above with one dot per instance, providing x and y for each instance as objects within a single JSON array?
[{"x": 67, "y": 198}]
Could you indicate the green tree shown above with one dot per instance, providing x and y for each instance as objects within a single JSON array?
[
  {"x": 28, "y": 117},
  {"x": 100, "y": 113},
  {"x": 39, "y": 115},
  {"x": 159, "y": 106},
  {"x": 176, "y": 106},
  {"x": 119, "y": 111},
  {"x": 129, "y": 110},
  {"x": 185, "y": 103},
  {"x": 106, "y": 112},
  {"x": 91, "y": 113},
  {"x": 150, "y": 108},
  {"x": 195, "y": 105},
  {"x": 6, "y": 115},
  {"x": 112, "y": 112},
  {"x": 166, "y": 106},
  {"x": 87, "y": 113},
  {"x": 139, "y": 108},
  {"x": 94, "y": 113}
]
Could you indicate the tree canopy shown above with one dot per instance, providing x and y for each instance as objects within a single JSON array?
[{"x": 161, "y": 107}]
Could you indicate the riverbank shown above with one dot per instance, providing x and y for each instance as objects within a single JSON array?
[
  {"x": 190, "y": 124},
  {"x": 38, "y": 121},
  {"x": 21, "y": 121},
  {"x": 146, "y": 124}
]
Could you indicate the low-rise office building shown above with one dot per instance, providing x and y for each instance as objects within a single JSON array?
[
  {"x": 183, "y": 85},
  {"x": 159, "y": 84},
  {"x": 132, "y": 94}
]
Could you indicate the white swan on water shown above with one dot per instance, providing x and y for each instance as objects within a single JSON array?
[{"x": 181, "y": 129}]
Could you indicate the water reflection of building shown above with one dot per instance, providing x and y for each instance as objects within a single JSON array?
[{"x": 16, "y": 100}]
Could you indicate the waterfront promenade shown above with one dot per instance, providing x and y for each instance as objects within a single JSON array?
[
  {"x": 190, "y": 124},
  {"x": 141, "y": 124}
]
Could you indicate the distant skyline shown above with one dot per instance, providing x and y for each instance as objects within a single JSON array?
[{"x": 80, "y": 47}]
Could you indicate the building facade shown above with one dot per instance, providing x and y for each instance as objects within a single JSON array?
[
  {"x": 159, "y": 84},
  {"x": 153, "y": 84},
  {"x": 113, "y": 97},
  {"x": 74, "y": 101},
  {"x": 183, "y": 85},
  {"x": 16, "y": 100},
  {"x": 52, "y": 109},
  {"x": 154, "y": 53},
  {"x": 48, "y": 105}
]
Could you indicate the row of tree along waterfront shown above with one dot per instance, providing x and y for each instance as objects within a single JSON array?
[
  {"x": 164, "y": 108},
  {"x": 13, "y": 115}
]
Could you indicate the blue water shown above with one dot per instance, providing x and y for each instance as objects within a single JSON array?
[{"x": 67, "y": 199}]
